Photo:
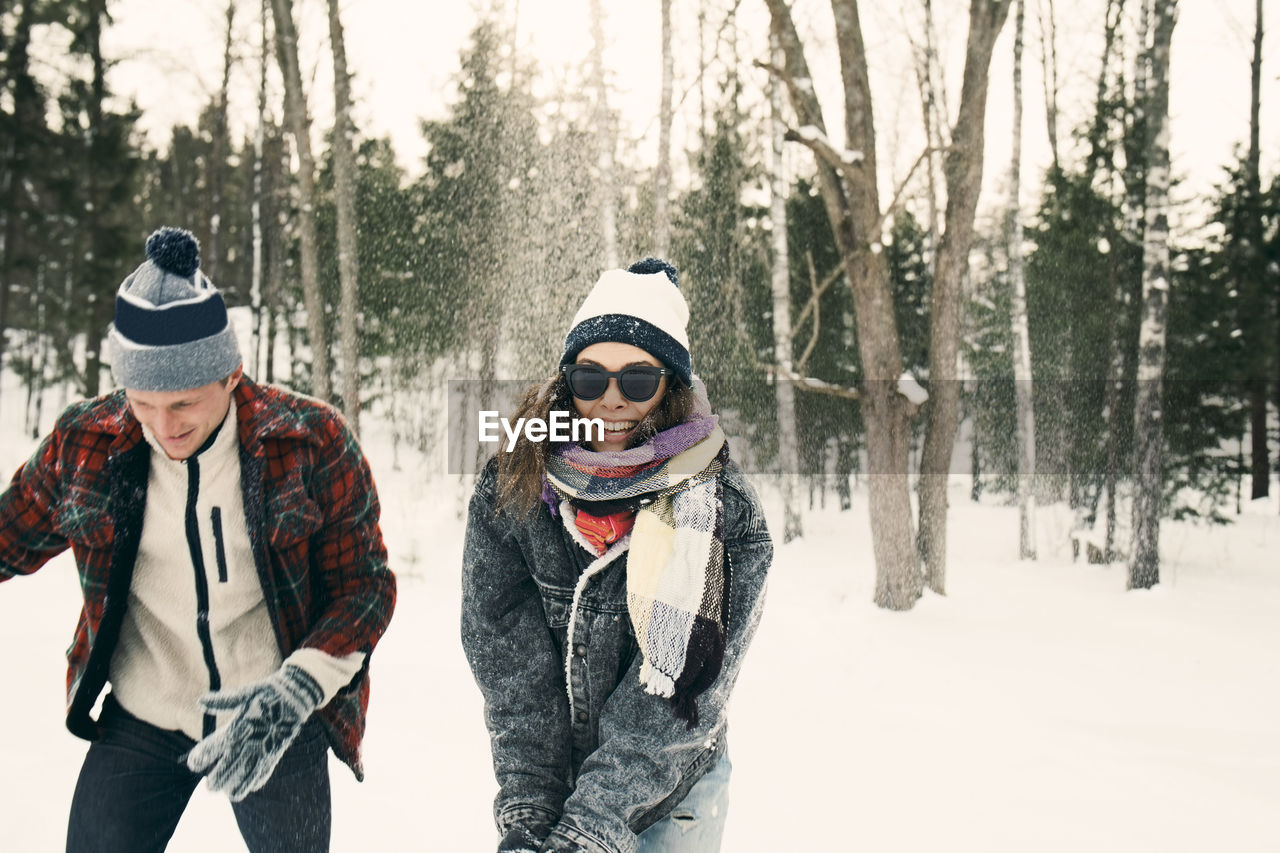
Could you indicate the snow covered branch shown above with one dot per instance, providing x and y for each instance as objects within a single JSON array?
[
  {"x": 819, "y": 386},
  {"x": 911, "y": 389},
  {"x": 843, "y": 160}
]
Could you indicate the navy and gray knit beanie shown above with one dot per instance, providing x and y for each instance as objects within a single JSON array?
[
  {"x": 642, "y": 306},
  {"x": 171, "y": 331}
]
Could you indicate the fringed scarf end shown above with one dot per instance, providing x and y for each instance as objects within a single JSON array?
[{"x": 656, "y": 682}]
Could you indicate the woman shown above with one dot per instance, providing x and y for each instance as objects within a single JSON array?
[{"x": 610, "y": 591}]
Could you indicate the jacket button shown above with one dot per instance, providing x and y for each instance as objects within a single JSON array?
[
  {"x": 581, "y": 716},
  {"x": 580, "y": 650}
]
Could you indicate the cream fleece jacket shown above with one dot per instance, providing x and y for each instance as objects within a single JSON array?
[{"x": 197, "y": 619}]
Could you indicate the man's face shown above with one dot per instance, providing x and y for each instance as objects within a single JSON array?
[{"x": 181, "y": 421}]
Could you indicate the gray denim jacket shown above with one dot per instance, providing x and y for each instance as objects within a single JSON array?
[{"x": 583, "y": 756}]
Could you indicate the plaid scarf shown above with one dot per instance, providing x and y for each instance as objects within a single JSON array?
[{"x": 677, "y": 586}]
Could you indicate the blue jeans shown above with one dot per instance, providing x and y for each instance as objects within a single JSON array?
[
  {"x": 134, "y": 786},
  {"x": 697, "y": 824}
]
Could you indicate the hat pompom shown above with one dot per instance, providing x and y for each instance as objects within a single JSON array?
[
  {"x": 174, "y": 250},
  {"x": 652, "y": 265}
]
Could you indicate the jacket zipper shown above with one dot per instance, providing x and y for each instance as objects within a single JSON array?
[
  {"x": 202, "y": 585},
  {"x": 220, "y": 550}
]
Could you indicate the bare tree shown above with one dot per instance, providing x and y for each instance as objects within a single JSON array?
[
  {"x": 1111, "y": 19},
  {"x": 100, "y": 307},
  {"x": 217, "y": 155},
  {"x": 1144, "y": 563},
  {"x": 928, "y": 81},
  {"x": 604, "y": 141},
  {"x": 299, "y": 124},
  {"x": 259, "y": 143},
  {"x": 788, "y": 440},
  {"x": 662, "y": 174},
  {"x": 1102, "y": 163},
  {"x": 1259, "y": 455},
  {"x": 1021, "y": 335},
  {"x": 963, "y": 169},
  {"x": 344, "y": 182},
  {"x": 847, "y": 183},
  {"x": 1049, "y": 77}
]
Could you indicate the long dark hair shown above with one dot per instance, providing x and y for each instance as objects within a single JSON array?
[{"x": 520, "y": 471}]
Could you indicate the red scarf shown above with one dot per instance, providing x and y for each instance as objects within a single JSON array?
[{"x": 603, "y": 530}]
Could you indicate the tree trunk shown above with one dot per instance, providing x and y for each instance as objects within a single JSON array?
[
  {"x": 1102, "y": 161},
  {"x": 964, "y": 182},
  {"x": 344, "y": 179},
  {"x": 1049, "y": 43},
  {"x": 299, "y": 124},
  {"x": 1021, "y": 334},
  {"x": 1140, "y": 131},
  {"x": 1144, "y": 564},
  {"x": 784, "y": 388},
  {"x": 101, "y": 308},
  {"x": 276, "y": 241},
  {"x": 850, "y": 196},
  {"x": 702, "y": 74},
  {"x": 217, "y": 156},
  {"x": 1259, "y": 454},
  {"x": 604, "y": 141},
  {"x": 662, "y": 174},
  {"x": 932, "y": 130},
  {"x": 259, "y": 142}
]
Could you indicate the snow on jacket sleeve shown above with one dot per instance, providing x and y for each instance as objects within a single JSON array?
[
  {"x": 515, "y": 662},
  {"x": 29, "y": 536},
  {"x": 646, "y": 754}
]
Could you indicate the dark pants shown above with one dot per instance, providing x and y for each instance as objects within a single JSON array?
[{"x": 134, "y": 787}]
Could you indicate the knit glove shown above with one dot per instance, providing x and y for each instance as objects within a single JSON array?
[
  {"x": 519, "y": 840},
  {"x": 240, "y": 757}
]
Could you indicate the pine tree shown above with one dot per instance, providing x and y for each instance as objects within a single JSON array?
[{"x": 98, "y": 235}]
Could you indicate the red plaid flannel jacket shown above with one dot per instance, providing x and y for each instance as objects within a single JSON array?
[{"x": 312, "y": 513}]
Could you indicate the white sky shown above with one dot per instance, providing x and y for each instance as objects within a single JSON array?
[{"x": 404, "y": 55}]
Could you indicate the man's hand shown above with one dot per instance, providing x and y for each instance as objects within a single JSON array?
[{"x": 240, "y": 757}]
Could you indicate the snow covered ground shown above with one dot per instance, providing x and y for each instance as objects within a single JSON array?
[{"x": 1038, "y": 706}]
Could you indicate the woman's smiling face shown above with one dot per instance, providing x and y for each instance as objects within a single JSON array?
[{"x": 620, "y": 415}]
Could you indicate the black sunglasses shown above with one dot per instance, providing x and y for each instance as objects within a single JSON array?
[{"x": 637, "y": 383}]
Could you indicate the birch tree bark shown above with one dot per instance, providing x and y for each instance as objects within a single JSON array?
[
  {"x": 847, "y": 183},
  {"x": 1144, "y": 564},
  {"x": 299, "y": 124},
  {"x": 344, "y": 181},
  {"x": 784, "y": 388},
  {"x": 963, "y": 169},
  {"x": 604, "y": 141},
  {"x": 1102, "y": 162},
  {"x": 1021, "y": 335},
  {"x": 662, "y": 174}
]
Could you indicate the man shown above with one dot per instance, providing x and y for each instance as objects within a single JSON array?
[{"x": 234, "y": 576}]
